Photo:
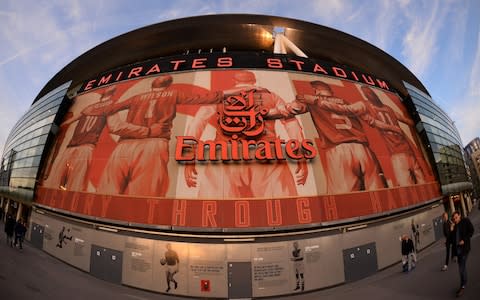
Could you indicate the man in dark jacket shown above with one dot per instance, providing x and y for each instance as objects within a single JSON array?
[
  {"x": 462, "y": 233},
  {"x": 9, "y": 226},
  {"x": 409, "y": 258},
  {"x": 20, "y": 231}
]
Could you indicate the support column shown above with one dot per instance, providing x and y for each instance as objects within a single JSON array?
[
  {"x": 452, "y": 205},
  {"x": 2, "y": 213},
  {"x": 19, "y": 211},
  {"x": 7, "y": 207},
  {"x": 462, "y": 203},
  {"x": 469, "y": 202}
]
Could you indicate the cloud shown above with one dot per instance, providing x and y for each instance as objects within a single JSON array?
[
  {"x": 420, "y": 41},
  {"x": 468, "y": 113},
  {"x": 195, "y": 8},
  {"x": 15, "y": 56},
  {"x": 23, "y": 38},
  {"x": 328, "y": 10},
  {"x": 474, "y": 85},
  {"x": 457, "y": 32},
  {"x": 384, "y": 25},
  {"x": 466, "y": 118},
  {"x": 466, "y": 109},
  {"x": 9, "y": 114},
  {"x": 37, "y": 40}
]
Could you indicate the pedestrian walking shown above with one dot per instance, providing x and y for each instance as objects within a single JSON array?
[
  {"x": 409, "y": 258},
  {"x": 20, "y": 230},
  {"x": 448, "y": 227},
  {"x": 9, "y": 227},
  {"x": 462, "y": 234},
  {"x": 416, "y": 235}
]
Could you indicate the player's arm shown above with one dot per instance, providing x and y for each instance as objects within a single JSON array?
[
  {"x": 204, "y": 98},
  {"x": 373, "y": 122},
  {"x": 176, "y": 258},
  {"x": 358, "y": 108},
  {"x": 124, "y": 129},
  {"x": 200, "y": 121},
  {"x": 294, "y": 131},
  {"x": 289, "y": 110},
  {"x": 58, "y": 144},
  {"x": 195, "y": 129},
  {"x": 67, "y": 122},
  {"x": 403, "y": 119},
  {"x": 384, "y": 126},
  {"x": 99, "y": 108},
  {"x": 292, "y": 126},
  {"x": 215, "y": 96}
]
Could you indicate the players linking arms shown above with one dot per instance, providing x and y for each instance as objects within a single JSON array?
[{"x": 337, "y": 105}]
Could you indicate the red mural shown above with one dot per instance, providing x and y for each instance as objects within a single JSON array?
[{"x": 236, "y": 149}]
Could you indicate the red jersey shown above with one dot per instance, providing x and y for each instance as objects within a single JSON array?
[
  {"x": 89, "y": 127},
  {"x": 156, "y": 108},
  {"x": 335, "y": 123},
  {"x": 396, "y": 142},
  {"x": 171, "y": 257}
]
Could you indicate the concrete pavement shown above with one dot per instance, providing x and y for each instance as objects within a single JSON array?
[{"x": 33, "y": 274}]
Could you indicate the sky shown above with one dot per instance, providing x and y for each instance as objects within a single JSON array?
[{"x": 438, "y": 40}]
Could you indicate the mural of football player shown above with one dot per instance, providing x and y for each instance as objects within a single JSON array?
[
  {"x": 68, "y": 119},
  {"x": 62, "y": 237},
  {"x": 349, "y": 163},
  {"x": 298, "y": 266},
  {"x": 405, "y": 165},
  {"x": 70, "y": 167},
  {"x": 138, "y": 164},
  {"x": 170, "y": 262},
  {"x": 249, "y": 179}
]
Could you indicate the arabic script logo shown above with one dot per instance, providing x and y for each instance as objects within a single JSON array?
[{"x": 240, "y": 116}]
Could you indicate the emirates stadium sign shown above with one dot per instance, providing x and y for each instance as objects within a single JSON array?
[{"x": 221, "y": 61}]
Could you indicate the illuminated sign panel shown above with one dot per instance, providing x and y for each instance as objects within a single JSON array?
[
  {"x": 199, "y": 62},
  {"x": 240, "y": 148}
]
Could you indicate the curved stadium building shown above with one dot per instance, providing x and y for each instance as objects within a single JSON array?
[{"x": 233, "y": 156}]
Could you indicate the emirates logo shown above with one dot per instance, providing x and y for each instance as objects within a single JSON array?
[{"x": 241, "y": 117}]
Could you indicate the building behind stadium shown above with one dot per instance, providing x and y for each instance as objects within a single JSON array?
[{"x": 241, "y": 155}]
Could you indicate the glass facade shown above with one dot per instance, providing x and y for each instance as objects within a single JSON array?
[
  {"x": 472, "y": 151},
  {"x": 25, "y": 145},
  {"x": 444, "y": 140}
]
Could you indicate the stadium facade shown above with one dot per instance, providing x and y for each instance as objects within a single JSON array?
[{"x": 233, "y": 156}]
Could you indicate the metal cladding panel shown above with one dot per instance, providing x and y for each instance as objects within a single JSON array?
[
  {"x": 106, "y": 263},
  {"x": 360, "y": 261},
  {"x": 36, "y": 235}
]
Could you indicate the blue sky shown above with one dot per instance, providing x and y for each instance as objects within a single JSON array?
[{"x": 438, "y": 40}]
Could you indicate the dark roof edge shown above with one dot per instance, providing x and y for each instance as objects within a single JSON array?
[{"x": 236, "y": 33}]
